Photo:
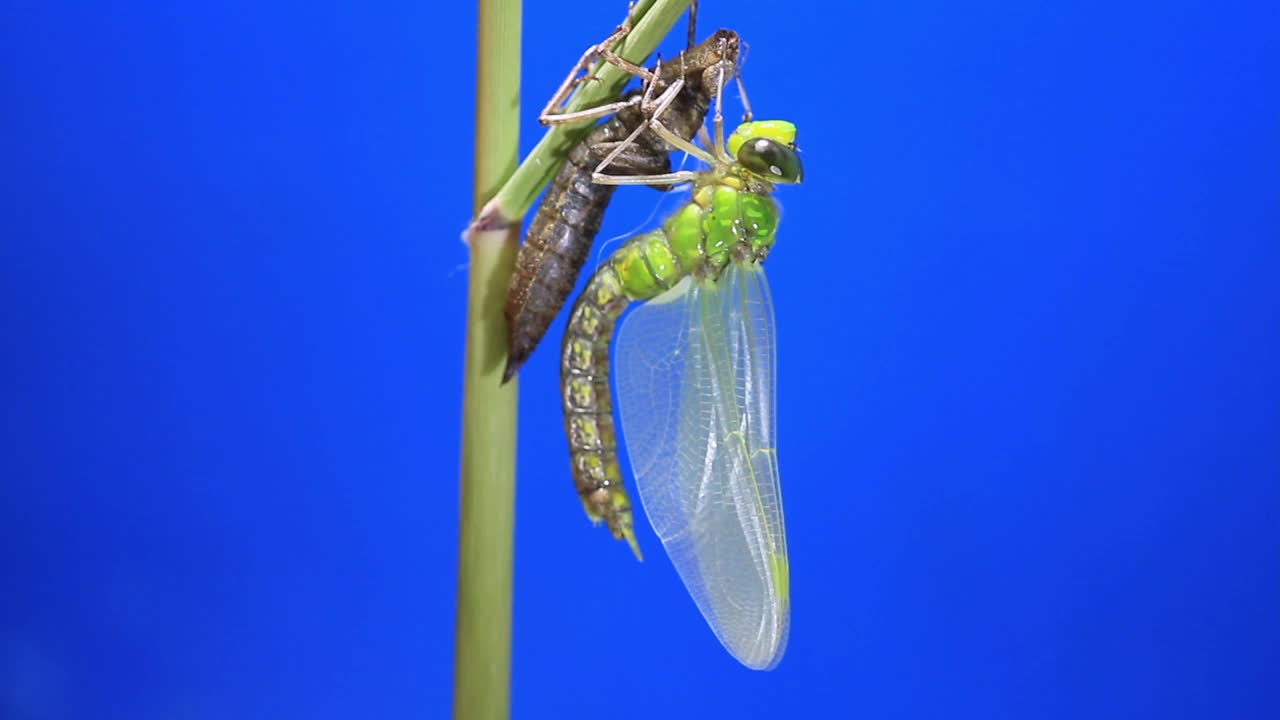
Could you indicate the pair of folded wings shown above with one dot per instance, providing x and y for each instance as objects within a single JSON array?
[{"x": 695, "y": 371}]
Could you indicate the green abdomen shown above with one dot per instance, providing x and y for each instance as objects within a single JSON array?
[{"x": 721, "y": 224}]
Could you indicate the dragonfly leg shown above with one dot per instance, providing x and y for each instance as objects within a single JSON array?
[
  {"x": 693, "y": 24},
  {"x": 553, "y": 114},
  {"x": 718, "y": 123},
  {"x": 626, "y": 65},
  {"x": 672, "y": 178},
  {"x": 646, "y": 98},
  {"x": 573, "y": 79},
  {"x": 618, "y": 149},
  {"x": 610, "y": 159},
  {"x": 588, "y": 114},
  {"x": 739, "y": 61},
  {"x": 704, "y": 137},
  {"x": 655, "y": 122},
  {"x": 746, "y": 104},
  {"x": 631, "y": 161}
]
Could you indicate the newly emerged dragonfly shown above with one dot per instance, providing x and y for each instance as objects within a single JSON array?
[
  {"x": 566, "y": 223},
  {"x": 695, "y": 374}
]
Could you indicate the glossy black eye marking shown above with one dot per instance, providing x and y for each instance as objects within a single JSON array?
[{"x": 771, "y": 159}]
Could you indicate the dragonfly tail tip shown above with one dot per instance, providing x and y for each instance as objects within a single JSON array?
[{"x": 635, "y": 546}]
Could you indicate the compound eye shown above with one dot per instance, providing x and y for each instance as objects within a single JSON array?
[{"x": 772, "y": 160}]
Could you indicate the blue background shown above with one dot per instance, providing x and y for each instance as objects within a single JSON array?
[{"x": 1028, "y": 303}]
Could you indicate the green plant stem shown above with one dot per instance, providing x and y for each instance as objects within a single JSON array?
[
  {"x": 503, "y": 193},
  {"x": 482, "y": 653}
]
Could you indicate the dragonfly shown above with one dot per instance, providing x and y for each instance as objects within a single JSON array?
[
  {"x": 566, "y": 223},
  {"x": 695, "y": 366}
]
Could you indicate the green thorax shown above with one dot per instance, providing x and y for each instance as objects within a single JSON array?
[{"x": 730, "y": 219}]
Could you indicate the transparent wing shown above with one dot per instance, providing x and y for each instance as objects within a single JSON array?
[{"x": 695, "y": 372}]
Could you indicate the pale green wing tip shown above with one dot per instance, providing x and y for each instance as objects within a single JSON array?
[
  {"x": 772, "y": 662},
  {"x": 768, "y": 658},
  {"x": 781, "y": 579},
  {"x": 767, "y": 655}
]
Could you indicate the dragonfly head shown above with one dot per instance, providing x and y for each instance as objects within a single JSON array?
[{"x": 768, "y": 148}]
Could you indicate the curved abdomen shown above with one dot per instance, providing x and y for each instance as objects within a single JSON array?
[
  {"x": 588, "y": 406},
  {"x": 700, "y": 239}
]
